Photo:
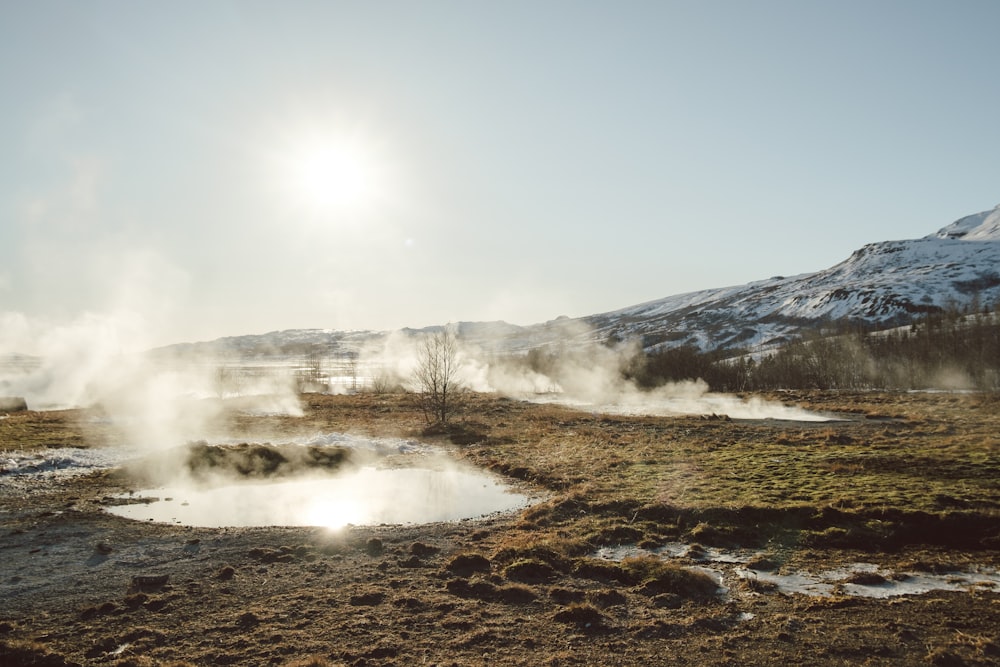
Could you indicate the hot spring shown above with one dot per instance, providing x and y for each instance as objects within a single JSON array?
[
  {"x": 400, "y": 482},
  {"x": 367, "y": 496}
]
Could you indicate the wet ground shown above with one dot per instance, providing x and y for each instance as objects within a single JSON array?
[{"x": 575, "y": 579}]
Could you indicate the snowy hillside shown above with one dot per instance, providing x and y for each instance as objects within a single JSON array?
[
  {"x": 881, "y": 284},
  {"x": 983, "y": 226}
]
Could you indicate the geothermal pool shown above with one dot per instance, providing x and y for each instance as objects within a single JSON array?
[
  {"x": 403, "y": 482},
  {"x": 362, "y": 497}
]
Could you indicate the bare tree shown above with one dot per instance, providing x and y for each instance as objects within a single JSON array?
[
  {"x": 436, "y": 376},
  {"x": 383, "y": 382}
]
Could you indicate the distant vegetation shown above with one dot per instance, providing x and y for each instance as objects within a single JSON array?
[{"x": 950, "y": 350}]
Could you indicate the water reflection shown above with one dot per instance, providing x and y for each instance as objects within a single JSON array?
[
  {"x": 366, "y": 496},
  {"x": 853, "y": 579}
]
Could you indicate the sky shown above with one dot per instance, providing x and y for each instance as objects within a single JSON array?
[{"x": 188, "y": 170}]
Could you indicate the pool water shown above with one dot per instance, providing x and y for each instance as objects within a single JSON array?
[{"x": 362, "y": 497}]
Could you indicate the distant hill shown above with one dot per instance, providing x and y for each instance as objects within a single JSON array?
[{"x": 881, "y": 284}]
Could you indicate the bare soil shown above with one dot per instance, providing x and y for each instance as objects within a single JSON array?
[{"x": 905, "y": 481}]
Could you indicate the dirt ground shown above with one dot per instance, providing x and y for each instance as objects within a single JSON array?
[{"x": 904, "y": 481}]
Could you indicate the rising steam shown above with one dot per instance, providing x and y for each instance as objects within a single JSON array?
[
  {"x": 163, "y": 405},
  {"x": 587, "y": 375},
  {"x": 166, "y": 402},
  {"x": 100, "y": 360}
]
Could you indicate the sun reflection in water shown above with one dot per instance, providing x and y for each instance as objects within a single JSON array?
[
  {"x": 365, "y": 496},
  {"x": 334, "y": 513}
]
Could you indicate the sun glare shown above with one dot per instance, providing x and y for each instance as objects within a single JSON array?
[
  {"x": 334, "y": 513},
  {"x": 329, "y": 174}
]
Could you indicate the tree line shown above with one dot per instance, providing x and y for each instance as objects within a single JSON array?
[{"x": 947, "y": 350}]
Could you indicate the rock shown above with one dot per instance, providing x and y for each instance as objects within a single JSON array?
[{"x": 12, "y": 404}]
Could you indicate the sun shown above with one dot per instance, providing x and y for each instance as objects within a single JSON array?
[{"x": 331, "y": 174}]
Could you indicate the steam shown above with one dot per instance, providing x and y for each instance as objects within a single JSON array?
[
  {"x": 586, "y": 375},
  {"x": 162, "y": 405},
  {"x": 362, "y": 496},
  {"x": 694, "y": 398},
  {"x": 100, "y": 360},
  {"x": 593, "y": 379}
]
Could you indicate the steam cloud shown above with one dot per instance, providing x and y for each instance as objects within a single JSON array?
[
  {"x": 588, "y": 376},
  {"x": 161, "y": 403},
  {"x": 101, "y": 360}
]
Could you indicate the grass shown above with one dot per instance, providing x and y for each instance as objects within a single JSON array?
[
  {"x": 650, "y": 575},
  {"x": 582, "y": 615},
  {"x": 921, "y": 461},
  {"x": 902, "y": 467},
  {"x": 57, "y": 428},
  {"x": 29, "y": 653},
  {"x": 905, "y": 470}
]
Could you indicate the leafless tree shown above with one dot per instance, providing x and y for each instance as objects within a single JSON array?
[
  {"x": 436, "y": 376},
  {"x": 382, "y": 383}
]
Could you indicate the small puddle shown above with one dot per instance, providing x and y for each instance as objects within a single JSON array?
[
  {"x": 855, "y": 579},
  {"x": 694, "y": 552},
  {"x": 867, "y": 580},
  {"x": 362, "y": 497}
]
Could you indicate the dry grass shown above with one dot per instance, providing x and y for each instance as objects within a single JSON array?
[
  {"x": 911, "y": 469},
  {"x": 906, "y": 471},
  {"x": 58, "y": 428}
]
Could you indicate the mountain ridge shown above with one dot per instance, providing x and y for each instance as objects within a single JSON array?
[{"x": 881, "y": 284}]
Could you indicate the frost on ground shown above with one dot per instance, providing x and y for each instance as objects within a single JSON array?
[{"x": 26, "y": 472}]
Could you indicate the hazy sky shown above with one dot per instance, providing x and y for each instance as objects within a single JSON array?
[{"x": 217, "y": 168}]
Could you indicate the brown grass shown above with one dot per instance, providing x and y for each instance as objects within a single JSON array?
[{"x": 917, "y": 484}]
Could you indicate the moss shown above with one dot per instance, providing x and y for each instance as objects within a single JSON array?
[
  {"x": 614, "y": 535},
  {"x": 582, "y": 615},
  {"x": 565, "y": 596},
  {"x": 469, "y": 563},
  {"x": 479, "y": 589},
  {"x": 530, "y": 571},
  {"x": 608, "y": 597},
  {"x": 600, "y": 570},
  {"x": 516, "y": 594},
  {"x": 656, "y": 576},
  {"x": 551, "y": 553},
  {"x": 28, "y": 653}
]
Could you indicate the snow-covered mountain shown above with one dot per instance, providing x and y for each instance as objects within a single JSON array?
[{"x": 881, "y": 284}]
